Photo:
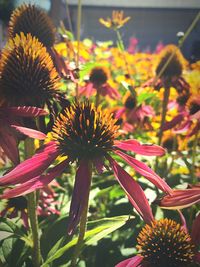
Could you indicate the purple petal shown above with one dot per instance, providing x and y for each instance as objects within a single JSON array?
[
  {"x": 30, "y": 132},
  {"x": 9, "y": 145},
  {"x": 25, "y": 111},
  {"x": 144, "y": 170},
  {"x": 195, "y": 234},
  {"x": 98, "y": 163},
  {"x": 36, "y": 183},
  {"x": 170, "y": 124},
  {"x": 179, "y": 199},
  {"x": 79, "y": 196},
  {"x": 131, "y": 262},
  {"x": 142, "y": 149},
  {"x": 32, "y": 167},
  {"x": 183, "y": 127},
  {"x": 133, "y": 191}
]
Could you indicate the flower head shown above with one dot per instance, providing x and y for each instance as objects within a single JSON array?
[
  {"x": 98, "y": 83},
  {"x": 33, "y": 20},
  {"x": 117, "y": 21},
  {"x": 27, "y": 73},
  {"x": 165, "y": 243},
  {"x": 98, "y": 76},
  {"x": 88, "y": 135},
  {"x": 83, "y": 131},
  {"x": 175, "y": 66}
]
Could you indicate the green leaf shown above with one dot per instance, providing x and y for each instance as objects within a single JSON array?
[
  {"x": 144, "y": 96},
  {"x": 96, "y": 231},
  {"x": 8, "y": 229}
]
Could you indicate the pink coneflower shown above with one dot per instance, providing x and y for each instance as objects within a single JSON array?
[
  {"x": 98, "y": 84},
  {"x": 187, "y": 121},
  {"x": 134, "y": 115},
  {"x": 166, "y": 243},
  {"x": 11, "y": 118},
  {"x": 170, "y": 75},
  {"x": 87, "y": 135}
]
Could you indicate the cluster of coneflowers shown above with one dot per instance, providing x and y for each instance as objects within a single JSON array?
[{"x": 85, "y": 135}]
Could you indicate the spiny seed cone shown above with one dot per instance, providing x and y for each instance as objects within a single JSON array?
[
  {"x": 82, "y": 131},
  {"x": 33, "y": 20},
  {"x": 27, "y": 73},
  {"x": 98, "y": 76},
  {"x": 130, "y": 102},
  {"x": 175, "y": 67},
  {"x": 165, "y": 243}
]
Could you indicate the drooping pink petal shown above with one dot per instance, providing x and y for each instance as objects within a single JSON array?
[
  {"x": 98, "y": 163},
  {"x": 144, "y": 170},
  {"x": 195, "y": 234},
  {"x": 195, "y": 129},
  {"x": 24, "y": 217},
  {"x": 197, "y": 257},
  {"x": 183, "y": 221},
  {"x": 9, "y": 145},
  {"x": 180, "y": 199},
  {"x": 196, "y": 115},
  {"x": 25, "y": 111},
  {"x": 133, "y": 191},
  {"x": 142, "y": 149},
  {"x": 30, "y": 132},
  {"x": 88, "y": 90},
  {"x": 170, "y": 124},
  {"x": 106, "y": 89},
  {"x": 33, "y": 166},
  {"x": 183, "y": 127},
  {"x": 35, "y": 183},
  {"x": 79, "y": 196},
  {"x": 119, "y": 113},
  {"x": 131, "y": 262}
]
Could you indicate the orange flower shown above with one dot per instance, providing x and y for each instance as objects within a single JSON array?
[{"x": 116, "y": 22}]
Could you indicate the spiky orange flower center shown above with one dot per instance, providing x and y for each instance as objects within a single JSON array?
[
  {"x": 33, "y": 20},
  {"x": 82, "y": 131},
  {"x": 27, "y": 73},
  {"x": 165, "y": 243}
]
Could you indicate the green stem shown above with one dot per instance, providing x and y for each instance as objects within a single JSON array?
[
  {"x": 121, "y": 46},
  {"x": 164, "y": 112},
  {"x": 78, "y": 39},
  {"x": 97, "y": 98},
  {"x": 163, "y": 117},
  {"x": 82, "y": 229},
  {"x": 194, "y": 180},
  {"x": 32, "y": 211},
  {"x": 32, "y": 206}
]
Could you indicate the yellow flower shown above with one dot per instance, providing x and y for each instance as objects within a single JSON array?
[{"x": 117, "y": 21}]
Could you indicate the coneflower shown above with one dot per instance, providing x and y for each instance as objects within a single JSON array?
[
  {"x": 166, "y": 243},
  {"x": 87, "y": 135},
  {"x": 98, "y": 82},
  {"x": 33, "y": 20},
  {"x": 27, "y": 73}
]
